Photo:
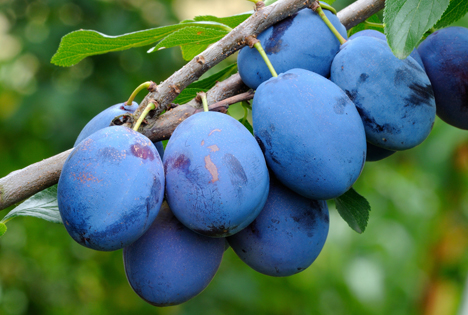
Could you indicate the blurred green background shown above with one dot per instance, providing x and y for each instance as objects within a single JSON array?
[{"x": 412, "y": 259}]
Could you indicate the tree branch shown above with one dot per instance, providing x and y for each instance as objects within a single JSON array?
[{"x": 24, "y": 183}]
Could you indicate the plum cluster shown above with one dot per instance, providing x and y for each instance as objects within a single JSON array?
[{"x": 332, "y": 108}]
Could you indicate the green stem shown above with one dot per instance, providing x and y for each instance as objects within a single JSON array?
[
  {"x": 259, "y": 47},
  {"x": 330, "y": 26},
  {"x": 204, "y": 101},
  {"x": 138, "y": 90},
  {"x": 380, "y": 25},
  {"x": 328, "y": 7},
  {"x": 148, "y": 108}
]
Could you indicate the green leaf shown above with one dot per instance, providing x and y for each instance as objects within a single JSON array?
[
  {"x": 231, "y": 21},
  {"x": 210, "y": 81},
  {"x": 78, "y": 45},
  {"x": 354, "y": 209},
  {"x": 42, "y": 205},
  {"x": 192, "y": 35},
  {"x": 406, "y": 21},
  {"x": 190, "y": 51},
  {"x": 363, "y": 26},
  {"x": 246, "y": 124},
  {"x": 455, "y": 11},
  {"x": 3, "y": 228},
  {"x": 187, "y": 95}
]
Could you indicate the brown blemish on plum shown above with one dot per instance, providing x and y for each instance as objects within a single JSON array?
[
  {"x": 203, "y": 142},
  {"x": 86, "y": 177},
  {"x": 214, "y": 131},
  {"x": 213, "y": 148},
  {"x": 143, "y": 152},
  {"x": 211, "y": 168}
]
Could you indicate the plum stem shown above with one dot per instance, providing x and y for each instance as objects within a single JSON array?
[
  {"x": 320, "y": 12},
  {"x": 380, "y": 25},
  {"x": 143, "y": 115},
  {"x": 202, "y": 96},
  {"x": 328, "y": 7},
  {"x": 142, "y": 86},
  {"x": 259, "y": 48}
]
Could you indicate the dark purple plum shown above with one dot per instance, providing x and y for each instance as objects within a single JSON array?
[
  {"x": 379, "y": 35},
  {"x": 216, "y": 176},
  {"x": 104, "y": 118},
  {"x": 111, "y": 188},
  {"x": 286, "y": 237},
  {"x": 288, "y": 46},
  {"x": 171, "y": 264},
  {"x": 311, "y": 133},
  {"x": 375, "y": 153},
  {"x": 394, "y": 97},
  {"x": 445, "y": 56}
]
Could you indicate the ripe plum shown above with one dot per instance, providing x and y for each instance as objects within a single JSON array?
[
  {"x": 111, "y": 188},
  {"x": 216, "y": 176}
]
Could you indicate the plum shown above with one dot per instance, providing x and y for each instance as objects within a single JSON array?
[
  {"x": 286, "y": 237},
  {"x": 287, "y": 46},
  {"x": 379, "y": 35},
  {"x": 111, "y": 188},
  {"x": 375, "y": 153},
  {"x": 394, "y": 97},
  {"x": 311, "y": 133},
  {"x": 171, "y": 264},
  {"x": 445, "y": 56},
  {"x": 104, "y": 118},
  {"x": 216, "y": 175}
]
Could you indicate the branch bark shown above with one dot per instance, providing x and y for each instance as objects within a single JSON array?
[{"x": 24, "y": 183}]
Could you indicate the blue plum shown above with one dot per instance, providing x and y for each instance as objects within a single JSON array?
[
  {"x": 394, "y": 97},
  {"x": 287, "y": 45},
  {"x": 445, "y": 56},
  {"x": 111, "y": 188},
  {"x": 375, "y": 153},
  {"x": 104, "y": 118},
  {"x": 216, "y": 175},
  {"x": 311, "y": 133},
  {"x": 379, "y": 35},
  {"x": 286, "y": 237},
  {"x": 171, "y": 264}
]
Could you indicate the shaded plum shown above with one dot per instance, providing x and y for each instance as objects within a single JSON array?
[
  {"x": 216, "y": 175},
  {"x": 311, "y": 133},
  {"x": 171, "y": 264},
  {"x": 111, "y": 188},
  {"x": 394, "y": 97},
  {"x": 286, "y": 237},
  {"x": 104, "y": 118},
  {"x": 287, "y": 45},
  {"x": 375, "y": 153},
  {"x": 379, "y": 35},
  {"x": 445, "y": 56}
]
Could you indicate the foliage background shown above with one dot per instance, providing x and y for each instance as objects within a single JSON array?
[{"x": 411, "y": 260}]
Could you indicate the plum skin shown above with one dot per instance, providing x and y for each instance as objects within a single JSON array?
[
  {"x": 311, "y": 134},
  {"x": 373, "y": 33},
  {"x": 445, "y": 56},
  {"x": 171, "y": 264},
  {"x": 111, "y": 188},
  {"x": 104, "y": 118},
  {"x": 394, "y": 97},
  {"x": 286, "y": 47},
  {"x": 286, "y": 237},
  {"x": 216, "y": 175}
]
